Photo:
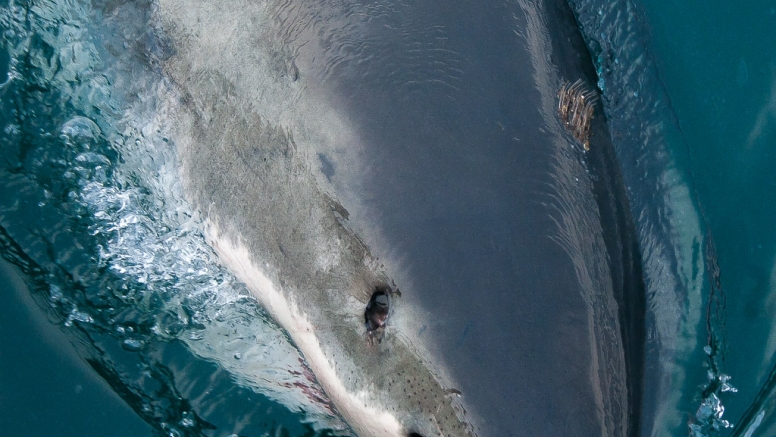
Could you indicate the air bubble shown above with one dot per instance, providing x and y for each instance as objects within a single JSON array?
[
  {"x": 187, "y": 421},
  {"x": 79, "y": 316},
  {"x": 132, "y": 345}
]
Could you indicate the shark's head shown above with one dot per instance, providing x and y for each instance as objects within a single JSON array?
[
  {"x": 255, "y": 101},
  {"x": 351, "y": 330},
  {"x": 247, "y": 152}
]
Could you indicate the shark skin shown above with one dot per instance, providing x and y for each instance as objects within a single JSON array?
[{"x": 336, "y": 148}]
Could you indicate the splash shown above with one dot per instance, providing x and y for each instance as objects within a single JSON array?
[{"x": 93, "y": 214}]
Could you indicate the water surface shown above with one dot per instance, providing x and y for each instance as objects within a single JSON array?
[{"x": 115, "y": 263}]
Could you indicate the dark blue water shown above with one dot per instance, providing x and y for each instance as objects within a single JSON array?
[
  {"x": 95, "y": 341},
  {"x": 64, "y": 385}
]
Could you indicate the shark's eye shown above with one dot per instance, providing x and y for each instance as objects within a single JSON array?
[
  {"x": 414, "y": 434},
  {"x": 376, "y": 310}
]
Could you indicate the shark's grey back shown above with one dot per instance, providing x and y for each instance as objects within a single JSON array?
[{"x": 338, "y": 148}]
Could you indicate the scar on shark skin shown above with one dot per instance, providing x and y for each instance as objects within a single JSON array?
[{"x": 575, "y": 108}]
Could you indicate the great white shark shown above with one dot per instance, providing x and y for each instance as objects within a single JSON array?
[{"x": 392, "y": 182}]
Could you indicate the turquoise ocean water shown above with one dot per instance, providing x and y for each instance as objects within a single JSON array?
[
  {"x": 92, "y": 229},
  {"x": 697, "y": 82},
  {"x": 717, "y": 62}
]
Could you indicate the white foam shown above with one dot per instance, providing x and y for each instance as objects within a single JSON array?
[{"x": 367, "y": 420}]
